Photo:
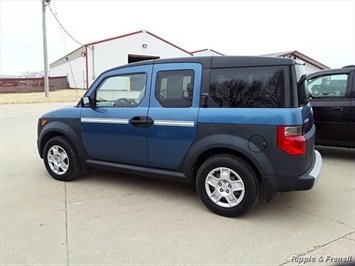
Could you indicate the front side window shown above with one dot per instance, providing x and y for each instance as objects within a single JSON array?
[
  {"x": 175, "y": 88},
  {"x": 330, "y": 86},
  {"x": 122, "y": 91},
  {"x": 253, "y": 87}
]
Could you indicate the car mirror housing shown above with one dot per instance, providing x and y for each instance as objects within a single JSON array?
[{"x": 86, "y": 101}]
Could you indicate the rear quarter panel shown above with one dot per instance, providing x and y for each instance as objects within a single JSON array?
[{"x": 253, "y": 134}]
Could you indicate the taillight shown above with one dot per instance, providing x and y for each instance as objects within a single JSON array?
[{"x": 290, "y": 139}]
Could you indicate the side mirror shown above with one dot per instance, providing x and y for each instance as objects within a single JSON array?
[
  {"x": 87, "y": 102},
  {"x": 204, "y": 100}
]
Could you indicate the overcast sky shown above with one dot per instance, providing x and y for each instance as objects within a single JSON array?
[{"x": 322, "y": 30}]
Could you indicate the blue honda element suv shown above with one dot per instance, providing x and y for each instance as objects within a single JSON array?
[{"x": 226, "y": 124}]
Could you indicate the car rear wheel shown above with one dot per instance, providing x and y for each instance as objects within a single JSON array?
[
  {"x": 61, "y": 159},
  {"x": 227, "y": 185}
]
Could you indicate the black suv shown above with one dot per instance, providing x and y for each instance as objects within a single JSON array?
[
  {"x": 223, "y": 123},
  {"x": 333, "y": 100}
]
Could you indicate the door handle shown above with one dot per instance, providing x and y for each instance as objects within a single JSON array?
[
  {"x": 338, "y": 108},
  {"x": 141, "y": 121}
]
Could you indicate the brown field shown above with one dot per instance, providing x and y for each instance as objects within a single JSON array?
[{"x": 69, "y": 95}]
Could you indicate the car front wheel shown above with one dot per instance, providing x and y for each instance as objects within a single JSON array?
[
  {"x": 227, "y": 185},
  {"x": 61, "y": 160}
]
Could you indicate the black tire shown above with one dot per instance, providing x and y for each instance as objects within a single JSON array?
[
  {"x": 227, "y": 185},
  {"x": 61, "y": 159}
]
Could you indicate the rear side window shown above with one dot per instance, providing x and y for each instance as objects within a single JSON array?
[
  {"x": 254, "y": 87},
  {"x": 175, "y": 88}
]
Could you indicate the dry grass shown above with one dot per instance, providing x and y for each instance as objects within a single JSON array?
[{"x": 70, "y": 95}]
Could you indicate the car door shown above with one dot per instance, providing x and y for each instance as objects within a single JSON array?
[
  {"x": 331, "y": 105},
  {"x": 115, "y": 129},
  {"x": 174, "y": 109}
]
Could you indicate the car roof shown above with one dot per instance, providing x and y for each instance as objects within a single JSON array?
[
  {"x": 218, "y": 61},
  {"x": 344, "y": 70}
]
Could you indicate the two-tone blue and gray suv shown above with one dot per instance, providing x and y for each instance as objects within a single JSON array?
[{"x": 225, "y": 124}]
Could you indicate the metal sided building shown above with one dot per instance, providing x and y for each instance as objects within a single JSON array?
[
  {"x": 311, "y": 65},
  {"x": 206, "y": 52},
  {"x": 85, "y": 64}
]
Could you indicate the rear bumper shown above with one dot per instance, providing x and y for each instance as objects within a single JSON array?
[
  {"x": 276, "y": 184},
  {"x": 315, "y": 170}
]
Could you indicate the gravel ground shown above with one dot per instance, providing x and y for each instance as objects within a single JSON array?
[{"x": 69, "y": 95}]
